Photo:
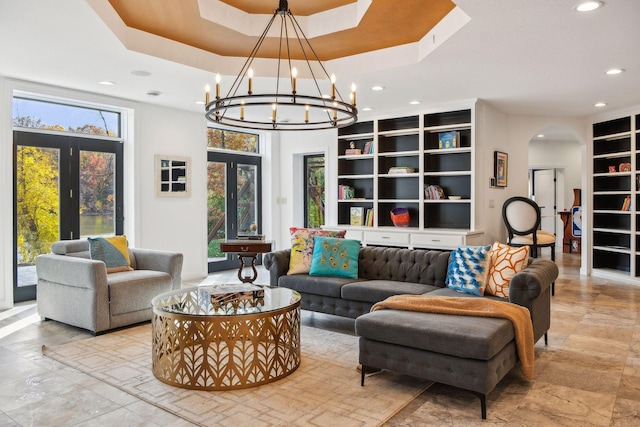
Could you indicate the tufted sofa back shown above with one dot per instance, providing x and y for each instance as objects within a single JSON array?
[{"x": 404, "y": 265}]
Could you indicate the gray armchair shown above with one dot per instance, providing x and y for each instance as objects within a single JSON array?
[{"x": 76, "y": 290}]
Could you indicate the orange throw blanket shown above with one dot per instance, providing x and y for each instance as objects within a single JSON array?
[{"x": 481, "y": 307}]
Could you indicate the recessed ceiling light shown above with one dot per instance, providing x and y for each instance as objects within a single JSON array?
[
  {"x": 367, "y": 109},
  {"x": 588, "y": 6},
  {"x": 414, "y": 102},
  {"x": 377, "y": 88},
  {"x": 107, "y": 83},
  {"x": 540, "y": 135},
  {"x": 614, "y": 71},
  {"x": 600, "y": 104},
  {"x": 141, "y": 73}
]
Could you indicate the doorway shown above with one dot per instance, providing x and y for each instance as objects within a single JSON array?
[
  {"x": 65, "y": 187},
  {"x": 234, "y": 203},
  {"x": 544, "y": 192}
]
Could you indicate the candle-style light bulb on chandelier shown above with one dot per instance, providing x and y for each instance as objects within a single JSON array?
[{"x": 299, "y": 111}]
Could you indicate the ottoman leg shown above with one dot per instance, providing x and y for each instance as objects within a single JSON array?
[
  {"x": 362, "y": 371},
  {"x": 483, "y": 403}
]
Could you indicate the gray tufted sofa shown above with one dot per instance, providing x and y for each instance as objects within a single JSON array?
[{"x": 472, "y": 353}]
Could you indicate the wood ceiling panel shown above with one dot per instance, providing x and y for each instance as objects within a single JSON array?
[
  {"x": 298, "y": 7},
  {"x": 383, "y": 25}
]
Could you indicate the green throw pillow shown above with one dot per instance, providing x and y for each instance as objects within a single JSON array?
[
  {"x": 335, "y": 257},
  {"x": 113, "y": 251}
]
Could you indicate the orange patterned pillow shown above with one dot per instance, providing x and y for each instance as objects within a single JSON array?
[{"x": 504, "y": 262}]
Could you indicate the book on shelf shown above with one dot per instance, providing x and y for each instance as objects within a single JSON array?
[
  {"x": 356, "y": 215},
  {"x": 626, "y": 204},
  {"x": 400, "y": 170},
  {"x": 368, "y": 220},
  {"x": 250, "y": 237},
  {"x": 353, "y": 152},
  {"x": 368, "y": 148},
  {"x": 448, "y": 139},
  {"x": 433, "y": 192},
  {"x": 345, "y": 192}
]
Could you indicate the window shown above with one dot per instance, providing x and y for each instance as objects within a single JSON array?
[
  {"x": 53, "y": 116},
  {"x": 314, "y": 191},
  {"x": 230, "y": 140}
]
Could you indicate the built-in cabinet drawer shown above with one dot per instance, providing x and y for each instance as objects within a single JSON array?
[
  {"x": 436, "y": 241},
  {"x": 386, "y": 238}
]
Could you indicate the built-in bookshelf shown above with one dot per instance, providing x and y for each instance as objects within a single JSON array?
[
  {"x": 405, "y": 157},
  {"x": 615, "y": 228}
]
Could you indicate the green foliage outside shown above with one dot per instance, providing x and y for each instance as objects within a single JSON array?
[
  {"x": 37, "y": 184},
  {"x": 315, "y": 192}
]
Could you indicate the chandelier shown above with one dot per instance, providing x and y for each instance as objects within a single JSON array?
[{"x": 290, "y": 110}]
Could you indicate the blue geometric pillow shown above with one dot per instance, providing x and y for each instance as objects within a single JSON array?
[
  {"x": 113, "y": 251},
  {"x": 467, "y": 271},
  {"x": 335, "y": 257}
]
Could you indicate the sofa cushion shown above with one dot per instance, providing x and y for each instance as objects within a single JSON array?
[
  {"x": 461, "y": 336},
  {"x": 335, "y": 257},
  {"x": 302, "y": 247},
  {"x": 467, "y": 270},
  {"x": 403, "y": 265},
  {"x": 133, "y": 290},
  {"x": 377, "y": 290},
  {"x": 319, "y": 285},
  {"x": 504, "y": 262},
  {"x": 113, "y": 251}
]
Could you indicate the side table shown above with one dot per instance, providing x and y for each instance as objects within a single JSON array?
[{"x": 246, "y": 250}]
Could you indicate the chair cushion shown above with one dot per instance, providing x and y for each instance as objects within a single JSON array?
[
  {"x": 543, "y": 238},
  {"x": 131, "y": 291}
]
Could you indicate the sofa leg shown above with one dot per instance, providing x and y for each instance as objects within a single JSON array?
[
  {"x": 362, "y": 372},
  {"x": 546, "y": 339},
  {"x": 483, "y": 406}
]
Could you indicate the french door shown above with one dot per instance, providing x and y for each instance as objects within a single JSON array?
[
  {"x": 233, "y": 203},
  {"x": 65, "y": 187}
]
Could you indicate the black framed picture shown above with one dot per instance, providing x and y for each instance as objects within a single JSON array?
[{"x": 500, "y": 168}]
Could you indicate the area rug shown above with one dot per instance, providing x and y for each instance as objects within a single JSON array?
[{"x": 324, "y": 390}]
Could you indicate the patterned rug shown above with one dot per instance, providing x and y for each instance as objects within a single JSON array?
[{"x": 324, "y": 390}]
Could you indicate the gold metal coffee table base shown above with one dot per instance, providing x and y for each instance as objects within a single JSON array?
[{"x": 211, "y": 352}]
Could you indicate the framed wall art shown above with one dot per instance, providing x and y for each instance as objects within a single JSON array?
[
  {"x": 173, "y": 176},
  {"x": 500, "y": 168}
]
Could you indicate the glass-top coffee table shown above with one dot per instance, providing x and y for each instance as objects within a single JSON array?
[{"x": 207, "y": 339}]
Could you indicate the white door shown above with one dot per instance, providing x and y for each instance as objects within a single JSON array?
[{"x": 544, "y": 193}]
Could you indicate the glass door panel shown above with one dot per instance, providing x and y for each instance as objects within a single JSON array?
[
  {"x": 37, "y": 182},
  {"x": 97, "y": 193},
  {"x": 247, "y": 217},
  {"x": 216, "y": 210}
]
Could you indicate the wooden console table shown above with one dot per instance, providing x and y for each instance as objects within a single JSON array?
[{"x": 246, "y": 250}]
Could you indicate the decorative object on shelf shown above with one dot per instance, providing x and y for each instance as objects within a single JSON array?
[
  {"x": 500, "y": 167},
  {"x": 400, "y": 217},
  {"x": 353, "y": 152},
  {"x": 624, "y": 167},
  {"x": 345, "y": 192},
  {"x": 356, "y": 215},
  {"x": 173, "y": 175},
  {"x": 448, "y": 139},
  {"x": 307, "y": 111},
  {"x": 612, "y": 169},
  {"x": 433, "y": 192},
  {"x": 455, "y": 197}
]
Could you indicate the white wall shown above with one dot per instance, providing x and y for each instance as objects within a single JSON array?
[{"x": 293, "y": 146}]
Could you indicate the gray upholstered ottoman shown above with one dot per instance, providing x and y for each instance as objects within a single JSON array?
[{"x": 472, "y": 353}]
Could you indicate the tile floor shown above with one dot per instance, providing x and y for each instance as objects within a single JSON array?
[{"x": 589, "y": 374}]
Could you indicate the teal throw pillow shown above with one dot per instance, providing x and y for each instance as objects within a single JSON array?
[
  {"x": 467, "y": 271},
  {"x": 335, "y": 257}
]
